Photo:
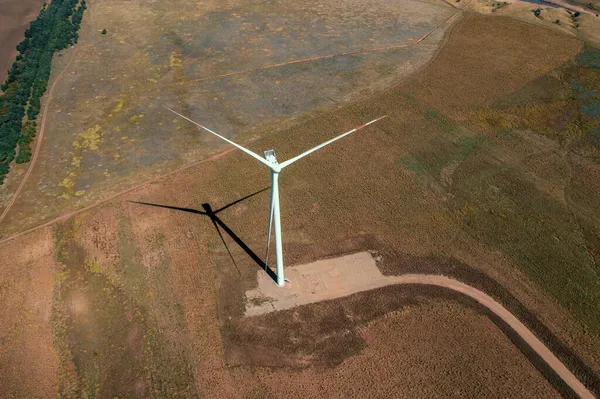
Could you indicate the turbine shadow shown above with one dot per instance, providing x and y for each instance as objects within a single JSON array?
[{"x": 217, "y": 222}]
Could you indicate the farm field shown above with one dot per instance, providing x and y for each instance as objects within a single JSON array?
[
  {"x": 485, "y": 170},
  {"x": 15, "y": 16}
]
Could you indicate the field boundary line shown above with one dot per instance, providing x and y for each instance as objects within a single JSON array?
[
  {"x": 282, "y": 64},
  {"x": 436, "y": 3}
]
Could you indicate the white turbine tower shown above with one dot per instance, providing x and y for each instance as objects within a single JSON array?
[{"x": 271, "y": 162}]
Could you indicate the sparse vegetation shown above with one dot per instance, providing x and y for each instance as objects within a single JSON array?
[
  {"x": 496, "y": 5},
  {"x": 54, "y": 29}
]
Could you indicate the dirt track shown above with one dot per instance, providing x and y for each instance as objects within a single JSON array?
[
  {"x": 358, "y": 272},
  {"x": 39, "y": 139},
  {"x": 506, "y": 316}
]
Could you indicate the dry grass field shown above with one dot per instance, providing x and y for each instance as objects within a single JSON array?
[
  {"x": 108, "y": 119},
  {"x": 416, "y": 364},
  {"x": 486, "y": 169}
]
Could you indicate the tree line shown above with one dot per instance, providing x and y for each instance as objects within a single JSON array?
[{"x": 54, "y": 29}]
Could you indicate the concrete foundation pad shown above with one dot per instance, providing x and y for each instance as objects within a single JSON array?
[{"x": 315, "y": 282}]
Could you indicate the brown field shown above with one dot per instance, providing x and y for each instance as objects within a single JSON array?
[
  {"x": 170, "y": 346},
  {"x": 416, "y": 364},
  {"x": 15, "y": 16},
  {"x": 485, "y": 170}
]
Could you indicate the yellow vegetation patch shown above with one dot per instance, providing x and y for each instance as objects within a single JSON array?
[
  {"x": 92, "y": 266},
  {"x": 85, "y": 141},
  {"x": 175, "y": 60},
  {"x": 63, "y": 275},
  {"x": 68, "y": 182},
  {"x": 118, "y": 106},
  {"x": 88, "y": 139},
  {"x": 76, "y": 162},
  {"x": 136, "y": 118}
]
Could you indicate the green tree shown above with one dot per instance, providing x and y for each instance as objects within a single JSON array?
[{"x": 54, "y": 28}]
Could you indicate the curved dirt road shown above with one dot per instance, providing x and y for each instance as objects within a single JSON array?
[
  {"x": 358, "y": 272},
  {"x": 500, "y": 311}
]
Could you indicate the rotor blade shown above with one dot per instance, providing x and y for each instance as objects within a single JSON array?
[
  {"x": 292, "y": 160},
  {"x": 270, "y": 227},
  {"x": 247, "y": 151},
  {"x": 240, "y": 200}
]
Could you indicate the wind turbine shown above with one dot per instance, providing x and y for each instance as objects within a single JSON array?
[{"x": 271, "y": 162}]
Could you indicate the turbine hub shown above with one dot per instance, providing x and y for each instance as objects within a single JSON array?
[{"x": 272, "y": 159}]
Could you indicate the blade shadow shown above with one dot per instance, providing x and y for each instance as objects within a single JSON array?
[{"x": 217, "y": 222}]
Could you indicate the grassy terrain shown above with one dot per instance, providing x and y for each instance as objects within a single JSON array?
[
  {"x": 97, "y": 320},
  {"x": 107, "y": 122},
  {"x": 542, "y": 210},
  {"x": 481, "y": 160}
]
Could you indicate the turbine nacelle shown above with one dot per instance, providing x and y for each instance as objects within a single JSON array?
[{"x": 272, "y": 159}]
